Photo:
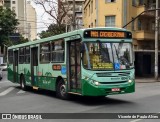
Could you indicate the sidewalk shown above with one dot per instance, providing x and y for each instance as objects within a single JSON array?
[{"x": 146, "y": 80}]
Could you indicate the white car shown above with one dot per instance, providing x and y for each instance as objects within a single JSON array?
[{"x": 3, "y": 67}]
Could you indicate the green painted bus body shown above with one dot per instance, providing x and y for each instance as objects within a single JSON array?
[{"x": 46, "y": 77}]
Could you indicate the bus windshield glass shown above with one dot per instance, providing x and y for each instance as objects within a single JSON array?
[{"x": 107, "y": 56}]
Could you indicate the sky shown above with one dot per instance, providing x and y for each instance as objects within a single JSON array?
[{"x": 43, "y": 19}]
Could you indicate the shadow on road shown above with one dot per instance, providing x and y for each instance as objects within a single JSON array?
[
  {"x": 89, "y": 101},
  {"x": 92, "y": 101}
]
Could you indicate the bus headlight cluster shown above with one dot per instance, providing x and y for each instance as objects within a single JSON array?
[
  {"x": 95, "y": 82},
  {"x": 130, "y": 81}
]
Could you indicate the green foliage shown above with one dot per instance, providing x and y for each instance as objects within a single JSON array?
[
  {"x": 53, "y": 29},
  {"x": 21, "y": 40},
  {"x": 8, "y": 23}
]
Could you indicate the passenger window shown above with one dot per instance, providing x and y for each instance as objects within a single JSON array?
[
  {"x": 45, "y": 52},
  {"x": 27, "y": 55},
  {"x": 10, "y": 56},
  {"x": 58, "y": 51},
  {"x": 21, "y": 55}
]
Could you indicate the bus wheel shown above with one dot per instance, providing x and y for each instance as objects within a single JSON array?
[
  {"x": 61, "y": 90},
  {"x": 22, "y": 83}
]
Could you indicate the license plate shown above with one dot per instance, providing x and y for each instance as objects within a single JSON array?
[{"x": 115, "y": 89}]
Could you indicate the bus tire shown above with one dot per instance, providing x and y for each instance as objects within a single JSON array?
[
  {"x": 61, "y": 90},
  {"x": 22, "y": 83}
]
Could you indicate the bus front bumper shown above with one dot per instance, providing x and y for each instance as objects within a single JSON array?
[{"x": 104, "y": 90}]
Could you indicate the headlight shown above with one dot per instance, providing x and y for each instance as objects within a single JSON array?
[
  {"x": 95, "y": 82},
  {"x": 130, "y": 81}
]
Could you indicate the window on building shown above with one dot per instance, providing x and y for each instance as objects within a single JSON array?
[
  {"x": 10, "y": 56},
  {"x": 139, "y": 24},
  {"x": 133, "y": 2},
  {"x": 45, "y": 52},
  {"x": 95, "y": 23},
  {"x": 135, "y": 47},
  {"x": 27, "y": 55},
  {"x": 21, "y": 55},
  {"x": 13, "y": 2},
  {"x": 110, "y": 21},
  {"x": 58, "y": 48},
  {"x": 141, "y": 2},
  {"x": 110, "y": 1},
  {"x": 154, "y": 1}
]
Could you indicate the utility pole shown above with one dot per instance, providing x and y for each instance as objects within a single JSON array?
[
  {"x": 156, "y": 42},
  {"x": 74, "y": 17}
]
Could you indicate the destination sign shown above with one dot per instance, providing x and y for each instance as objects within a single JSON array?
[
  {"x": 102, "y": 66},
  {"x": 106, "y": 34}
]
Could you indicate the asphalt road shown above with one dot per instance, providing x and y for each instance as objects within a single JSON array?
[{"x": 146, "y": 99}]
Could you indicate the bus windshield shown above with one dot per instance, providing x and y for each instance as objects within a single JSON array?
[{"x": 107, "y": 56}]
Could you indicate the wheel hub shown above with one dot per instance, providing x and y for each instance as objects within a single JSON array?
[{"x": 63, "y": 90}]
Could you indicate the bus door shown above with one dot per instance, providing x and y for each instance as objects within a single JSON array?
[
  {"x": 15, "y": 66},
  {"x": 74, "y": 66},
  {"x": 34, "y": 65}
]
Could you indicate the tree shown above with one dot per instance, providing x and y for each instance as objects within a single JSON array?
[
  {"x": 8, "y": 23},
  {"x": 53, "y": 29},
  {"x": 9, "y": 42},
  {"x": 58, "y": 11}
]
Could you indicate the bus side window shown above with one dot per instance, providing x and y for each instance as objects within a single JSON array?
[
  {"x": 10, "y": 56},
  {"x": 45, "y": 52},
  {"x": 58, "y": 51},
  {"x": 21, "y": 55},
  {"x": 27, "y": 55}
]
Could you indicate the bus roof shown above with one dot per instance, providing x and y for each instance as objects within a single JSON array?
[{"x": 68, "y": 34}]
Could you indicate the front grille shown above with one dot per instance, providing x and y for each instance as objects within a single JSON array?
[
  {"x": 112, "y": 74},
  {"x": 113, "y": 82}
]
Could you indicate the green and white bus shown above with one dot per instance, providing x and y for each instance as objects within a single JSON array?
[{"x": 87, "y": 62}]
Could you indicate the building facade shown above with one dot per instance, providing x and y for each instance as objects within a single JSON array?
[
  {"x": 26, "y": 15},
  {"x": 31, "y": 21},
  {"x": 117, "y": 13},
  {"x": 68, "y": 19},
  {"x": 19, "y": 6}
]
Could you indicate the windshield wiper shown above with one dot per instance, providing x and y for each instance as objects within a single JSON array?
[
  {"x": 122, "y": 60},
  {"x": 104, "y": 52},
  {"x": 116, "y": 52}
]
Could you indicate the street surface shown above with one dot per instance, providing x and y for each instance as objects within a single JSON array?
[{"x": 146, "y": 99}]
